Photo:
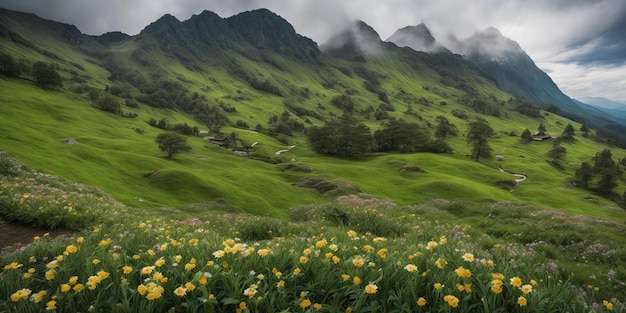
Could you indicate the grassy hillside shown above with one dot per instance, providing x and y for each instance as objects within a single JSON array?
[{"x": 119, "y": 155}]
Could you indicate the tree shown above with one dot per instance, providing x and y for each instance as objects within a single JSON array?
[
  {"x": 526, "y": 136},
  {"x": 46, "y": 76},
  {"x": 584, "y": 174},
  {"x": 607, "y": 183},
  {"x": 172, "y": 143},
  {"x": 557, "y": 153},
  {"x": 444, "y": 128},
  {"x": 478, "y": 135},
  {"x": 9, "y": 66},
  {"x": 568, "y": 133},
  {"x": 344, "y": 137}
]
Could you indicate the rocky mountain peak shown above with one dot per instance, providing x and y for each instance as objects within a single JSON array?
[
  {"x": 358, "y": 39},
  {"x": 418, "y": 38}
]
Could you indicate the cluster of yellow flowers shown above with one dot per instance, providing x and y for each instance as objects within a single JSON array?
[{"x": 360, "y": 264}]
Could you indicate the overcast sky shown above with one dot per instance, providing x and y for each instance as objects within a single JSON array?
[{"x": 581, "y": 44}]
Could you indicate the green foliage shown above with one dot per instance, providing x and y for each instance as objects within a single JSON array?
[
  {"x": 172, "y": 143},
  {"x": 344, "y": 137},
  {"x": 8, "y": 66},
  {"x": 526, "y": 136},
  {"x": 45, "y": 75},
  {"x": 568, "y": 133},
  {"x": 401, "y": 136},
  {"x": 477, "y": 136}
]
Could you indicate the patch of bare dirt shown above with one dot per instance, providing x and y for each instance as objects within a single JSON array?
[{"x": 15, "y": 236}]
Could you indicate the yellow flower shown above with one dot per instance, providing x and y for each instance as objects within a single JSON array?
[
  {"x": 51, "y": 305},
  {"x": 371, "y": 288},
  {"x": 336, "y": 259},
  {"x": 345, "y": 277},
  {"x": 95, "y": 261},
  {"x": 468, "y": 257},
  {"x": 497, "y": 276},
  {"x": 379, "y": 239},
  {"x": 333, "y": 247},
  {"x": 242, "y": 306},
  {"x": 80, "y": 240},
  {"x": 159, "y": 262},
  {"x": 608, "y": 305},
  {"x": 306, "y": 251},
  {"x": 297, "y": 271},
  {"x": 521, "y": 301},
  {"x": 65, "y": 287},
  {"x": 443, "y": 240},
  {"x": 147, "y": 270},
  {"x": 441, "y": 263},
  {"x": 368, "y": 248},
  {"x": 127, "y": 269},
  {"x": 78, "y": 287},
  {"x": 349, "y": 310},
  {"x": 516, "y": 281},
  {"x": 71, "y": 249},
  {"x": 49, "y": 275},
  {"x": 526, "y": 289},
  {"x": 317, "y": 306},
  {"x": 351, "y": 234},
  {"x": 305, "y": 303},
  {"x": 431, "y": 245},
  {"x": 102, "y": 274},
  {"x": 410, "y": 268},
  {"x": 38, "y": 297},
  {"x": 465, "y": 287},
  {"x": 452, "y": 300},
  {"x": 304, "y": 259},
  {"x": 190, "y": 286},
  {"x": 358, "y": 262},
  {"x": 27, "y": 275},
  {"x": 193, "y": 241},
  {"x": 142, "y": 289},
  {"x": 36, "y": 238},
  {"x": 20, "y": 294},
  {"x": 463, "y": 272},
  {"x": 12, "y": 266},
  {"x": 437, "y": 286},
  {"x": 53, "y": 264},
  {"x": 321, "y": 244},
  {"x": 136, "y": 257},
  {"x": 421, "y": 301},
  {"x": 263, "y": 252},
  {"x": 280, "y": 284},
  {"x": 180, "y": 291},
  {"x": 105, "y": 242},
  {"x": 202, "y": 281},
  {"x": 151, "y": 252},
  {"x": 382, "y": 253},
  {"x": 190, "y": 266},
  {"x": 158, "y": 276},
  {"x": 533, "y": 282}
]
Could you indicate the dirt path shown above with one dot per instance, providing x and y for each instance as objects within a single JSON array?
[{"x": 15, "y": 236}]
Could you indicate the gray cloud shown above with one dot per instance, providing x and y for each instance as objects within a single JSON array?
[{"x": 575, "y": 33}]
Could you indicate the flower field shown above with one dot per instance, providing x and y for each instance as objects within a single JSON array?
[{"x": 326, "y": 259}]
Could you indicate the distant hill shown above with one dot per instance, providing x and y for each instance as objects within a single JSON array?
[{"x": 604, "y": 103}]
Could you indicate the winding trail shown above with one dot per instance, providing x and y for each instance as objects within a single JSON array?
[
  {"x": 520, "y": 176},
  {"x": 279, "y": 152}
]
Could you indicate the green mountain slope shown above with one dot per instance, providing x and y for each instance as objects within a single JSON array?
[{"x": 253, "y": 77}]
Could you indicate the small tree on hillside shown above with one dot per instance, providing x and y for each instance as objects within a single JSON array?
[
  {"x": 526, "y": 136},
  {"x": 46, "y": 75},
  {"x": 9, "y": 67},
  {"x": 557, "y": 153},
  {"x": 568, "y": 133},
  {"x": 477, "y": 136},
  {"x": 172, "y": 143},
  {"x": 584, "y": 174}
]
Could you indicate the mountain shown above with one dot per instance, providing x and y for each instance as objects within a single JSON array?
[
  {"x": 604, "y": 103},
  {"x": 249, "y": 82},
  {"x": 506, "y": 63},
  {"x": 208, "y": 33},
  {"x": 418, "y": 38},
  {"x": 357, "y": 40}
]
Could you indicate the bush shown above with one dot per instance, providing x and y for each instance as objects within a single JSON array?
[{"x": 260, "y": 228}]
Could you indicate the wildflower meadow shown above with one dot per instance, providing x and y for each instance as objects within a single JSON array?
[{"x": 323, "y": 259}]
